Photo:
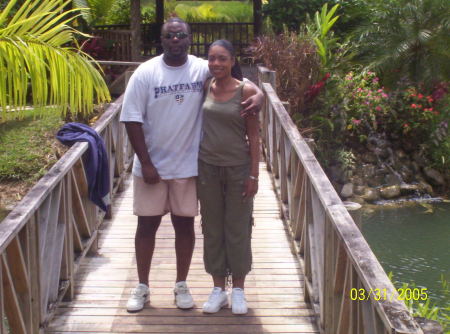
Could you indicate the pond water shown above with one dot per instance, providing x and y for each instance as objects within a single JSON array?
[{"x": 412, "y": 241}]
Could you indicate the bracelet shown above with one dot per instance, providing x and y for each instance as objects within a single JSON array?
[{"x": 253, "y": 177}]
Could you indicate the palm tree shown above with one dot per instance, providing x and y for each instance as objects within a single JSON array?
[
  {"x": 93, "y": 11},
  {"x": 37, "y": 54},
  {"x": 407, "y": 38}
]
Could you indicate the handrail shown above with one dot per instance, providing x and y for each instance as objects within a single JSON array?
[
  {"x": 335, "y": 256},
  {"x": 49, "y": 232},
  {"x": 240, "y": 34}
]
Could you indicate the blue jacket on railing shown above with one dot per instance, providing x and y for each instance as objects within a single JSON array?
[{"x": 95, "y": 162}]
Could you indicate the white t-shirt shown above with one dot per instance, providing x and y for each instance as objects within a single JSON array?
[{"x": 167, "y": 101}]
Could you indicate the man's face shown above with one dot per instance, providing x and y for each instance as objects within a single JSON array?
[{"x": 175, "y": 40}]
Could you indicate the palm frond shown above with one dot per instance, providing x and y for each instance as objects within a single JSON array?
[
  {"x": 99, "y": 9},
  {"x": 85, "y": 11},
  {"x": 400, "y": 37},
  {"x": 37, "y": 57}
]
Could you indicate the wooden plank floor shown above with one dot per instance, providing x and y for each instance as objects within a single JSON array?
[{"x": 274, "y": 288}]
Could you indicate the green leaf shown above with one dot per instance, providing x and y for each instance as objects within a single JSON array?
[{"x": 35, "y": 52}]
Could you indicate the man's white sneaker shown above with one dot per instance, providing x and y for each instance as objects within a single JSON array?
[
  {"x": 217, "y": 299},
  {"x": 238, "y": 301},
  {"x": 183, "y": 298},
  {"x": 139, "y": 296}
]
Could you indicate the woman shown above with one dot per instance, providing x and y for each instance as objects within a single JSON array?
[{"x": 228, "y": 178}]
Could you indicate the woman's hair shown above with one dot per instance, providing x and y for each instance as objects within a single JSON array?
[{"x": 236, "y": 69}]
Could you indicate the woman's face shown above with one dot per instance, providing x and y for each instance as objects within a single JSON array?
[{"x": 220, "y": 62}]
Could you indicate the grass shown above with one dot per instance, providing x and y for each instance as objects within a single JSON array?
[
  {"x": 214, "y": 11},
  {"x": 28, "y": 147}
]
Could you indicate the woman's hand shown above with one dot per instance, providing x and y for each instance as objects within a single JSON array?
[{"x": 251, "y": 187}]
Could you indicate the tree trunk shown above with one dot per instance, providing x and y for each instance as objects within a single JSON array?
[
  {"x": 135, "y": 26},
  {"x": 257, "y": 17}
]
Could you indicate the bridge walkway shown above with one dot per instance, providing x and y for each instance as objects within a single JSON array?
[{"x": 274, "y": 288}]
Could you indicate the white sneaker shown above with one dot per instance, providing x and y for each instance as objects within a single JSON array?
[
  {"x": 183, "y": 297},
  {"x": 217, "y": 299},
  {"x": 139, "y": 296},
  {"x": 238, "y": 301}
]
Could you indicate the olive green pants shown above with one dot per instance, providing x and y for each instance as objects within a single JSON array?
[{"x": 226, "y": 219}]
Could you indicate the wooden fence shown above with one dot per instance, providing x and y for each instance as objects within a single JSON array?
[
  {"x": 117, "y": 43},
  {"x": 334, "y": 254},
  {"x": 118, "y": 37},
  {"x": 44, "y": 238}
]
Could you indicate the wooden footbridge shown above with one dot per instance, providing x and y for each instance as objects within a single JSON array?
[{"x": 65, "y": 267}]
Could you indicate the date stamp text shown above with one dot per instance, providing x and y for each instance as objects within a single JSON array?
[{"x": 382, "y": 294}]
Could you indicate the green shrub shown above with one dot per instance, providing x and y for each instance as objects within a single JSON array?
[
  {"x": 358, "y": 105},
  {"x": 415, "y": 113}
]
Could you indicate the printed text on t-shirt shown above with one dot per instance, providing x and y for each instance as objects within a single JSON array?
[{"x": 178, "y": 88}]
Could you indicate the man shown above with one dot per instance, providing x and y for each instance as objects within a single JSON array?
[{"x": 161, "y": 112}]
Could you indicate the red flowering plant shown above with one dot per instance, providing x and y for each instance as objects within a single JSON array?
[
  {"x": 418, "y": 114},
  {"x": 362, "y": 104}
]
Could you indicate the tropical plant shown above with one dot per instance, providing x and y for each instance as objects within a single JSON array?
[
  {"x": 290, "y": 13},
  {"x": 409, "y": 38},
  {"x": 322, "y": 33},
  {"x": 36, "y": 54},
  {"x": 85, "y": 11},
  {"x": 119, "y": 12},
  {"x": 428, "y": 309},
  {"x": 94, "y": 12}
]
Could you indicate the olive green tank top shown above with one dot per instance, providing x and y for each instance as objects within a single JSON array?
[{"x": 224, "y": 141}]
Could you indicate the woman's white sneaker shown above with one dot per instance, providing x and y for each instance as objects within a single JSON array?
[
  {"x": 217, "y": 299},
  {"x": 139, "y": 296},
  {"x": 183, "y": 298},
  {"x": 238, "y": 301}
]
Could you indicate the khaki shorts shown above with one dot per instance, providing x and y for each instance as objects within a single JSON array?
[{"x": 177, "y": 196}]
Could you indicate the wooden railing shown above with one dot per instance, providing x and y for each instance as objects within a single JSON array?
[
  {"x": 44, "y": 238},
  {"x": 334, "y": 254},
  {"x": 203, "y": 34}
]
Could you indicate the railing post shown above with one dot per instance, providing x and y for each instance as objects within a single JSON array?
[
  {"x": 3, "y": 319},
  {"x": 266, "y": 120},
  {"x": 34, "y": 269},
  {"x": 266, "y": 75}
]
